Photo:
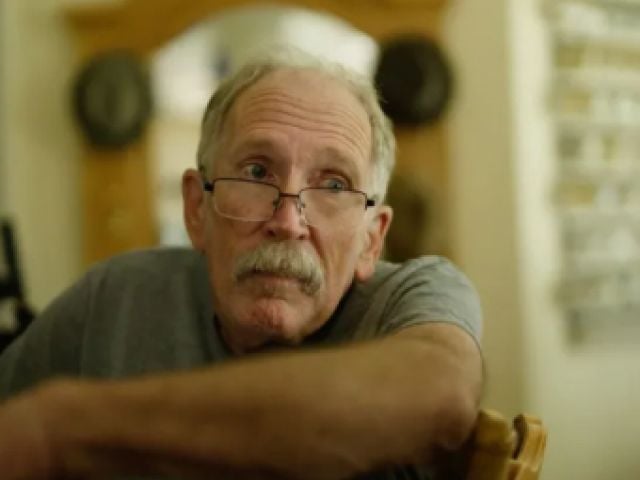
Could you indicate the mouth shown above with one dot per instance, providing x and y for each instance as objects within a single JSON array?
[{"x": 272, "y": 284}]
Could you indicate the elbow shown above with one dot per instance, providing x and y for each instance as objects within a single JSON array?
[{"x": 456, "y": 416}]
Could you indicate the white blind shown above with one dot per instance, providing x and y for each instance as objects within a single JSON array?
[{"x": 595, "y": 98}]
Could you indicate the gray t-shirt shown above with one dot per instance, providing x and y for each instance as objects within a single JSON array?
[{"x": 150, "y": 311}]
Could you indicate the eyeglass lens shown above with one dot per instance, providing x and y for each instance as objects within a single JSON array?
[{"x": 253, "y": 201}]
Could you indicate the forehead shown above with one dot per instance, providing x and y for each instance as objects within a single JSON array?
[{"x": 310, "y": 104}]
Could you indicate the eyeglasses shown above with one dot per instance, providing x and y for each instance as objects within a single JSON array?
[{"x": 253, "y": 201}]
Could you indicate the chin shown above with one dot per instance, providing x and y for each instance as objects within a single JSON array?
[
  {"x": 275, "y": 320},
  {"x": 262, "y": 316}
]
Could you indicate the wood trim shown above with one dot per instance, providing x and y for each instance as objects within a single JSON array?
[
  {"x": 138, "y": 26},
  {"x": 118, "y": 212},
  {"x": 422, "y": 154}
]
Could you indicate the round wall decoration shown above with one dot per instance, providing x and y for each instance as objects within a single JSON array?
[
  {"x": 414, "y": 80},
  {"x": 112, "y": 99}
]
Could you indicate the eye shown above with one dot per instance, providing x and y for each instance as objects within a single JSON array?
[
  {"x": 335, "y": 184},
  {"x": 255, "y": 171}
]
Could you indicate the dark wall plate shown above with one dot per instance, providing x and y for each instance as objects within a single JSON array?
[
  {"x": 112, "y": 99},
  {"x": 414, "y": 80}
]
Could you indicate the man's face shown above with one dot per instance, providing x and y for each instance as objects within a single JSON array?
[{"x": 294, "y": 129}]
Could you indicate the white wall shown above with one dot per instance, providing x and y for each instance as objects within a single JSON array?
[
  {"x": 484, "y": 215},
  {"x": 40, "y": 175},
  {"x": 587, "y": 391},
  {"x": 503, "y": 171}
]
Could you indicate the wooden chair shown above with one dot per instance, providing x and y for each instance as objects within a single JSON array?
[{"x": 503, "y": 450}]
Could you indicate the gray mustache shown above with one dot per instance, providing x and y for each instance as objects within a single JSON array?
[{"x": 282, "y": 258}]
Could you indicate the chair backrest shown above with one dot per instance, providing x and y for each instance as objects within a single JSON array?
[
  {"x": 532, "y": 440},
  {"x": 12, "y": 302},
  {"x": 503, "y": 450}
]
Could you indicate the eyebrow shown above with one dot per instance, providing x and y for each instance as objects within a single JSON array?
[
  {"x": 329, "y": 156},
  {"x": 262, "y": 144},
  {"x": 336, "y": 158}
]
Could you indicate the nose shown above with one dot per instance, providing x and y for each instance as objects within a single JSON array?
[{"x": 288, "y": 222}]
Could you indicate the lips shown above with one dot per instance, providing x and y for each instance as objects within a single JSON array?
[
  {"x": 270, "y": 276},
  {"x": 273, "y": 285}
]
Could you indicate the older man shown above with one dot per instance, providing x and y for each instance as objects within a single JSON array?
[{"x": 359, "y": 366}]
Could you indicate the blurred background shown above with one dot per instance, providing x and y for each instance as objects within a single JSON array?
[{"x": 525, "y": 168}]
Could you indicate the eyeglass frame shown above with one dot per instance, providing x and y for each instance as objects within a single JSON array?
[{"x": 209, "y": 186}]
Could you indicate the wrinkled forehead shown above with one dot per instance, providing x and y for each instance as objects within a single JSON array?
[
  {"x": 303, "y": 97},
  {"x": 306, "y": 83}
]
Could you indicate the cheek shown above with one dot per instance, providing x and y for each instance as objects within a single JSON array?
[
  {"x": 225, "y": 237},
  {"x": 351, "y": 242},
  {"x": 225, "y": 241},
  {"x": 343, "y": 249},
  {"x": 221, "y": 243}
]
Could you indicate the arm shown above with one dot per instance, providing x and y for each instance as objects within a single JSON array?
[{"x": 317, "y": 414}]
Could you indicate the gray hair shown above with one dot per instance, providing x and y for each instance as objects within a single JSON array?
[{"x": 382, "y": 138}]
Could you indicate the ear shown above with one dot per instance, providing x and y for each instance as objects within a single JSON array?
[
  {"x": 374, "y": 241},
  {"x": 194, "y": 207}
]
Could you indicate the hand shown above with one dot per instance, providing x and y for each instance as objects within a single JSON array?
[{"x": 25, "y": 449}]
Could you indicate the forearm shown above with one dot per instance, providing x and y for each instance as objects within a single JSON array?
[{"x": 322, "y": 414}]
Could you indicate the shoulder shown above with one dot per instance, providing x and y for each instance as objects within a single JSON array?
[
  {"x": 426, "y": 269},
  {"x": 424, "y": 289},
  {"x": 144, "y": 278},
  {"x": 142, "y": 305},
  {"x": 123, "y": 316}
]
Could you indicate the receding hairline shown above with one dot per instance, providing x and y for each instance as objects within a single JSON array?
[
  {"x": 337, "y": 93},
  {"x": 279, "y": 69},
  {"x": 289, "y": 73}
]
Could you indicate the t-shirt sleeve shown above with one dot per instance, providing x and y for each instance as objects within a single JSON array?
[
  {"x": 432, "y": 289},
  {"x": 51, "y": 345}
]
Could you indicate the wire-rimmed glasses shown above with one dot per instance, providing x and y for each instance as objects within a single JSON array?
[{"x": 254, "y": 201}]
